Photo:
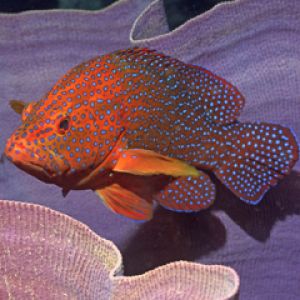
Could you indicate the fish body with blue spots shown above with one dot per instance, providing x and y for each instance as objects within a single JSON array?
[{"x": 116, "y": 122}]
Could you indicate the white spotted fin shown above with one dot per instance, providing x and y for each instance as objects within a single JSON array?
[
  {"x": 188, "y": 194},
  {"x": 256, "y": 156}
]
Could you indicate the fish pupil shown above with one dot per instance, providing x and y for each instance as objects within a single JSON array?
[{"x": 64, "y": 125}]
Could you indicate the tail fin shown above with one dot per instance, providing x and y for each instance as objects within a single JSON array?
[{"x": 258, "y": 155}]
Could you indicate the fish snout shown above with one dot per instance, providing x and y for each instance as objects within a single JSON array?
[
  {"x": 17, "y": 152},
  {"x": 42, "y": 164},
  {"x": 9, "y": 149}
]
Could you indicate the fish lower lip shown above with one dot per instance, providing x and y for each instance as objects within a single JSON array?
[
  {"x": 48, "y": 173},
  {"x": 43, "y": 169},
  {"x": 19, "y": 148},
  {"x": 23, "y": 156},
  {"x": 39, "y": 168}
]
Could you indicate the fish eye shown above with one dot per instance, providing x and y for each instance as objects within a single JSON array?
[{"x": 64, "y": 125}]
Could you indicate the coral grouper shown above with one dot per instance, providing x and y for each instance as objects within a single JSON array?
[{"x": 122, "y": 119}]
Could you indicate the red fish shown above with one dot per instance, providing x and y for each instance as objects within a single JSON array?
[{"x": 117, "y": 121}]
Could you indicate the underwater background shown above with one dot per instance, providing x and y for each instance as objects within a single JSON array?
[
  {"x": 260, "y": 242},
  {"x": 178, "y": 11}
]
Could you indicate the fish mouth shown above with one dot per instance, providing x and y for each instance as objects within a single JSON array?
[
  {"x": 18, "y": 153},
  {"x": 32, "y": 162}
]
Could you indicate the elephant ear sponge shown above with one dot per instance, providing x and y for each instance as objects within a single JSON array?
[{"x": 48, "y": 255}]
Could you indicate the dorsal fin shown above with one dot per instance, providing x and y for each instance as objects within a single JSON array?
[{"x": 222, "y": 102}]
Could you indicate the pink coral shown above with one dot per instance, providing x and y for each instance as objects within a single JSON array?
[{"x": 48, "y": 255}]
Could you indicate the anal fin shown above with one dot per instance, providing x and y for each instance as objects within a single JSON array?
[{"x": 188, "y": 194}]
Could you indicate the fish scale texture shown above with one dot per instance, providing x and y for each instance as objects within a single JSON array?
[{"x": 251, "y": 45}]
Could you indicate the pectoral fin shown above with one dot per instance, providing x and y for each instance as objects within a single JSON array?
[
  {"x": 146, "y": 162},
  {"x": 65, "y": 192},
  {"x": 18, "y": 106},
  {"x": 125, "y": 202},
  {"x": 22, "y": 108}
]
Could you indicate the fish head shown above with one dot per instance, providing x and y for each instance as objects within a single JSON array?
[
  {"x": 61, "y": 139},
  {"x": 35, "y": 144},
  {"x": 73, "y": 128}
]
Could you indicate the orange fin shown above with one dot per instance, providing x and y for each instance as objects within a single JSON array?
[
  {"x": 18, "y": 106},
  {"x": 188, "y": 194},
  {"x": 125, "y": 202},
  {"x": 146, "y": 162}
]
